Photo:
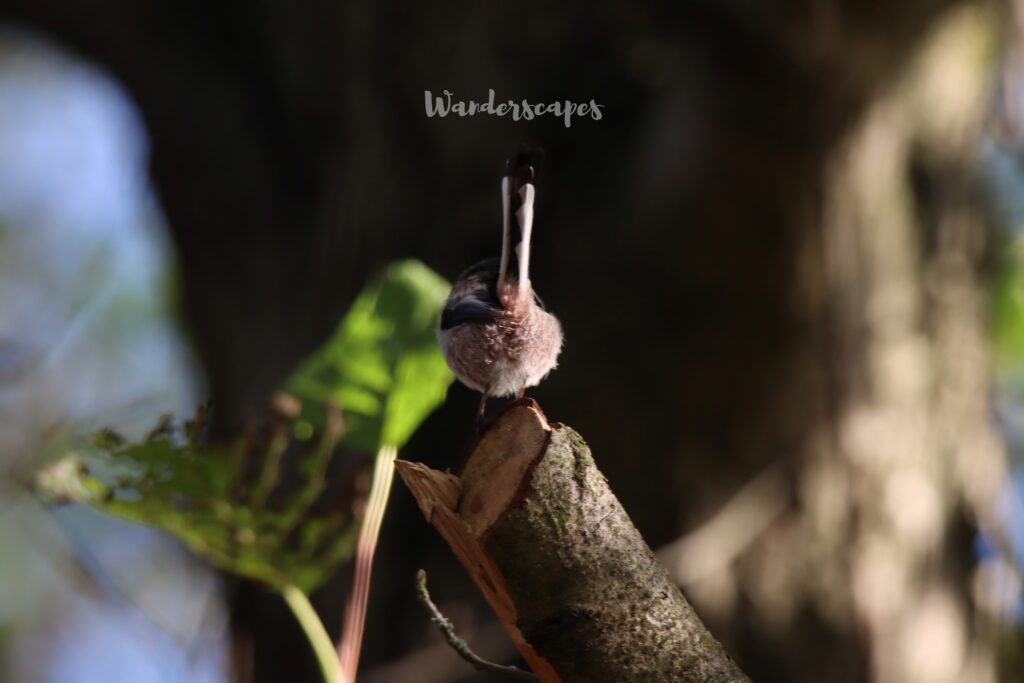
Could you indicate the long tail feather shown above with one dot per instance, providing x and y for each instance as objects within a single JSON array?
[
  {"x": 525, "y": 218},
  {"x": 520, "y": 173},
  {"x": 506, "y": 230}
]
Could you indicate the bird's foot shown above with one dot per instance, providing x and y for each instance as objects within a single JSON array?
[{"x": 483, "y": 423}]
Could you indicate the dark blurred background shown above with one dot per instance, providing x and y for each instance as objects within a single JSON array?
[{"x": 787, "y": 260}]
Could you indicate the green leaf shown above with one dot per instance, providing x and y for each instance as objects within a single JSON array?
[
  {"x": 212, "y": 501},
  {"x": 382, "y": 366}
]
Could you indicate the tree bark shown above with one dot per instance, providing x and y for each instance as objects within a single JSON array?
[{"x": 551, "y": 548}]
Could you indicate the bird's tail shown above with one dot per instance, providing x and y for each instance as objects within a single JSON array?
[{"x": 517, "y": 205}]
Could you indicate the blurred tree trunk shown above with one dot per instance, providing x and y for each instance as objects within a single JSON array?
[
  {"x": 913, "y": 443},
  {"x": 869, "y": 524}
]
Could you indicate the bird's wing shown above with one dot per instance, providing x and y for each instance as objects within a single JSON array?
[{"x": 474, "y": 297}]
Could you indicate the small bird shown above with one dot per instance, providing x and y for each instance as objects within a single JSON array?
[{"x": 494, "y": 332}]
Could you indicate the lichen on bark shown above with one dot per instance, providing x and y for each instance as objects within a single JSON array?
[{"x": 591, "y": 597}]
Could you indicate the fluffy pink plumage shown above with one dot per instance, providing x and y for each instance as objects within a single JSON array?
[{"x": 494, "y": 333}]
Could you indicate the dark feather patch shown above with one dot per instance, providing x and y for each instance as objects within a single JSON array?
[
  {"x": 468, "y": 310},
  {"x": 474, "y": 296},
  {"x": 524, "y": 164}
]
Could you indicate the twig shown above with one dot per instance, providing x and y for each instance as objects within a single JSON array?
[{"x": 458, "y": 644}]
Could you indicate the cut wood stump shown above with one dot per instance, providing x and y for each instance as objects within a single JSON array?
[{"x": 552, "y": 550}]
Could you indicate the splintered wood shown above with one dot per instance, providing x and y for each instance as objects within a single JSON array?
[{"x": 488, "y": 480}]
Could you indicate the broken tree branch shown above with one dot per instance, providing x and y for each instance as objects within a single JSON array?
[{"x": 552, "y": 550}]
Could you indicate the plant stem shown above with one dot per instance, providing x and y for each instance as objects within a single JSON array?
[
  {"x": 315, "y": 631},
  {"x": 355, "y": 611}
]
